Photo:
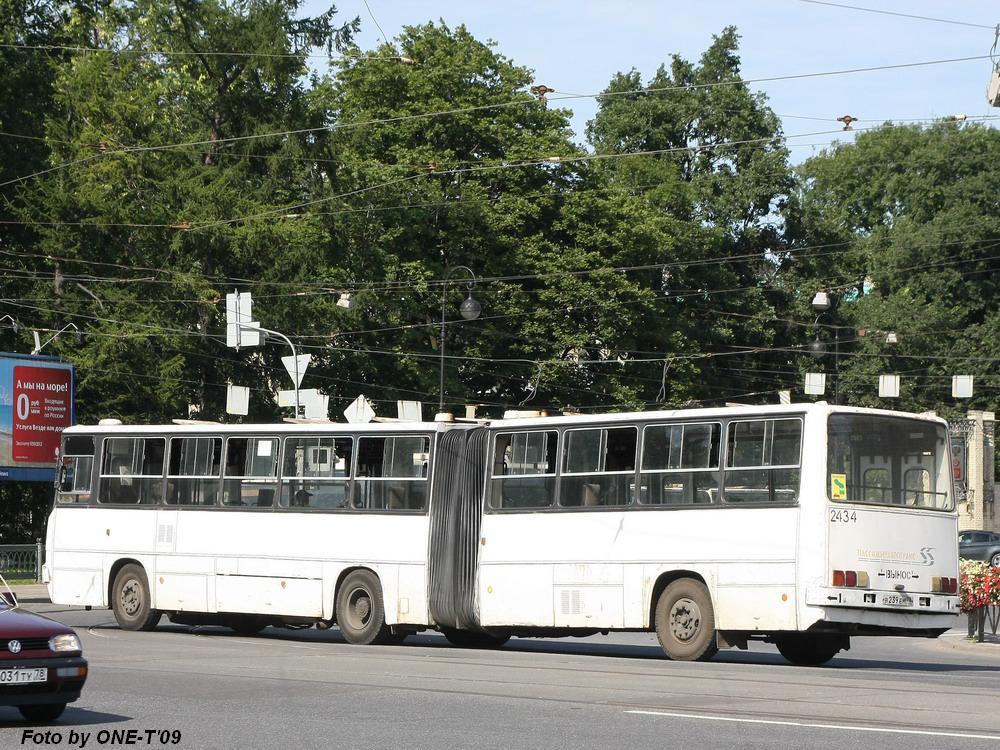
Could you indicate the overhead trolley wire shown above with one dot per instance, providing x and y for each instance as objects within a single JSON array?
[{"x": 899, "y": 15}]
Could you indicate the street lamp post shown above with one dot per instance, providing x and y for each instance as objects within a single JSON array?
[
  {"x": 295, "y": 356},
  {"x": 469, "y": 310},
  {"x": 39, "y": 344},
  {"x": 14, "y": 325},
  {"x": 821, "y": 304}
]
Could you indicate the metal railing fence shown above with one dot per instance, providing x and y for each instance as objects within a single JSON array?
[{"x": 22, "y": 561}]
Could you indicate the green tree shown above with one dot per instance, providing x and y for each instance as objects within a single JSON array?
[
  {"x": 421, "y": 194},
  {"x": 157, "y": 159},
  {"x": 902, "y": 224},
  {"x": 707, "y": 189}
]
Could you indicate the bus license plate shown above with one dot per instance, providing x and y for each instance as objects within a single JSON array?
[
  {"x": 21, "y": 676},
  {"x": 897, "y": 600}
]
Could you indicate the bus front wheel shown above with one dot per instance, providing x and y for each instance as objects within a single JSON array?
[
  {"x": 809, "y": 650},
  {"x": 360, "y": 612},
  {"x": 685, "y": 621},
  {"x": 130, "y": 600}
]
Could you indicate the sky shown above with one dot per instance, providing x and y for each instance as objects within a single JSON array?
[{"x": 577, "y": 46}]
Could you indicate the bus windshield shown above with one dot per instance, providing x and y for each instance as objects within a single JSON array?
[{"x": 894, "y": 461}]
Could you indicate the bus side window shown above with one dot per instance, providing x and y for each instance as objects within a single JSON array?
[
  {"x": 193, "y": 470},
  {"x": 598, "y": 467},
  {"x": 762, "y": 461},
  {"x": 680, "y": 464},
  {"x": 76, "y": 469},
  {"x": 251, "y": 473},
  {"x": 392, "y": 473},
  {"x": 524, "y": 469},
  {"x": 132, "y": 471},
  {"x": 316, "y": 472}
]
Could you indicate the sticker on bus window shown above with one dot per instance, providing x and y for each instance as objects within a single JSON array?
[
  {"x": 263, "y": 448},
  {"x": 838, "y": 486}
]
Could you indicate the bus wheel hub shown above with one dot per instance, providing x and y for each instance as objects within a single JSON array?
[
  {"x": 685, "y": 619},
  {"x": 131, "y": 600}
]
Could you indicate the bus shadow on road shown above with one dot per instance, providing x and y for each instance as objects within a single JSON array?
[{"x": 590, "y": 647}]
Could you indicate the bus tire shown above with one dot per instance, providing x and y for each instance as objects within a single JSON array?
[
  {"x": 807, "y": 650},
  {"x": 474, "y": 639},
  {"x": 130, "y": 600},
  {"x": 685, "y": 621},
  {"x": 360, "y": 611}
]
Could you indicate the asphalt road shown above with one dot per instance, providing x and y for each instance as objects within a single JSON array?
[{"x": 309, "y": 689}]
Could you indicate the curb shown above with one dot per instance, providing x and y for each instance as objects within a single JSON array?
[
  {"x": 961, "y": 641},
  {"x": 32, "y": 594}
]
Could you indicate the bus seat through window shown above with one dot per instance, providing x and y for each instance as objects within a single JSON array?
[{"x": 396, "y": 499}]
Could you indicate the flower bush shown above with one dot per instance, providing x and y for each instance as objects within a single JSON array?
[{"x": 979, "y": 585}]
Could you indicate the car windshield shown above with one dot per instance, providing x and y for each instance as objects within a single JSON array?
[{"x": 894, "y": 461}]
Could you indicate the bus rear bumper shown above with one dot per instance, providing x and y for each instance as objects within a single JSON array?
[
  {"x": 903, "y": 603},
  {"x": 851, "y": 612}
]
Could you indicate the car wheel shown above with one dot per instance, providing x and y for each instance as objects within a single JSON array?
[
  {"x": 130, "y": 600},
  {"x": 685, "y": 621},
  {"x": 995, "y": 560},
  {"x": 360, "y": 612},
  {"x": 42, "y": 712}
]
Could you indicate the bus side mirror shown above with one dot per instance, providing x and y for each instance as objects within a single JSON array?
[{"x": 64, "y": 482}]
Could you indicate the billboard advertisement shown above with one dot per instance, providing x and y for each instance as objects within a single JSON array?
[{"x": 36, "y": 405}]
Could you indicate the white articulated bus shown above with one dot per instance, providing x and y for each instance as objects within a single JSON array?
[{"x": 801, "y": 525}]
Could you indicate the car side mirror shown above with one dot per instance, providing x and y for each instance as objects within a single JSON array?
[{"x": 10, "y": 597}]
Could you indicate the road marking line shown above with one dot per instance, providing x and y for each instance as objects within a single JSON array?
[{"x": 819, "y": 726}]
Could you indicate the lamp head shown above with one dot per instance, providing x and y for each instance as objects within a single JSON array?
[
  {"x": 470, "y": 308},
  {"x": 821, "y": 302},
  {"x": 817, "y": 348}
]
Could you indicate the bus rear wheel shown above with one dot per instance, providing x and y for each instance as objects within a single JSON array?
[
  {"x": 474, "y": 639},
  {"x": 130, "y": 600},
  {"x": 685, "y": 621},
  {"x": 806, "y": 650},
  {"x": 360, "y": 612}
]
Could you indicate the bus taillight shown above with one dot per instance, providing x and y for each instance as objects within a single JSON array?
[
  {"x": 944, "y": 585},
  {"x": 851, "y": 579}
]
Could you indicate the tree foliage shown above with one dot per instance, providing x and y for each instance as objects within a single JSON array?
[
  {"x": 903, "y": 224},
  {"x": 198, "y": 147}
]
